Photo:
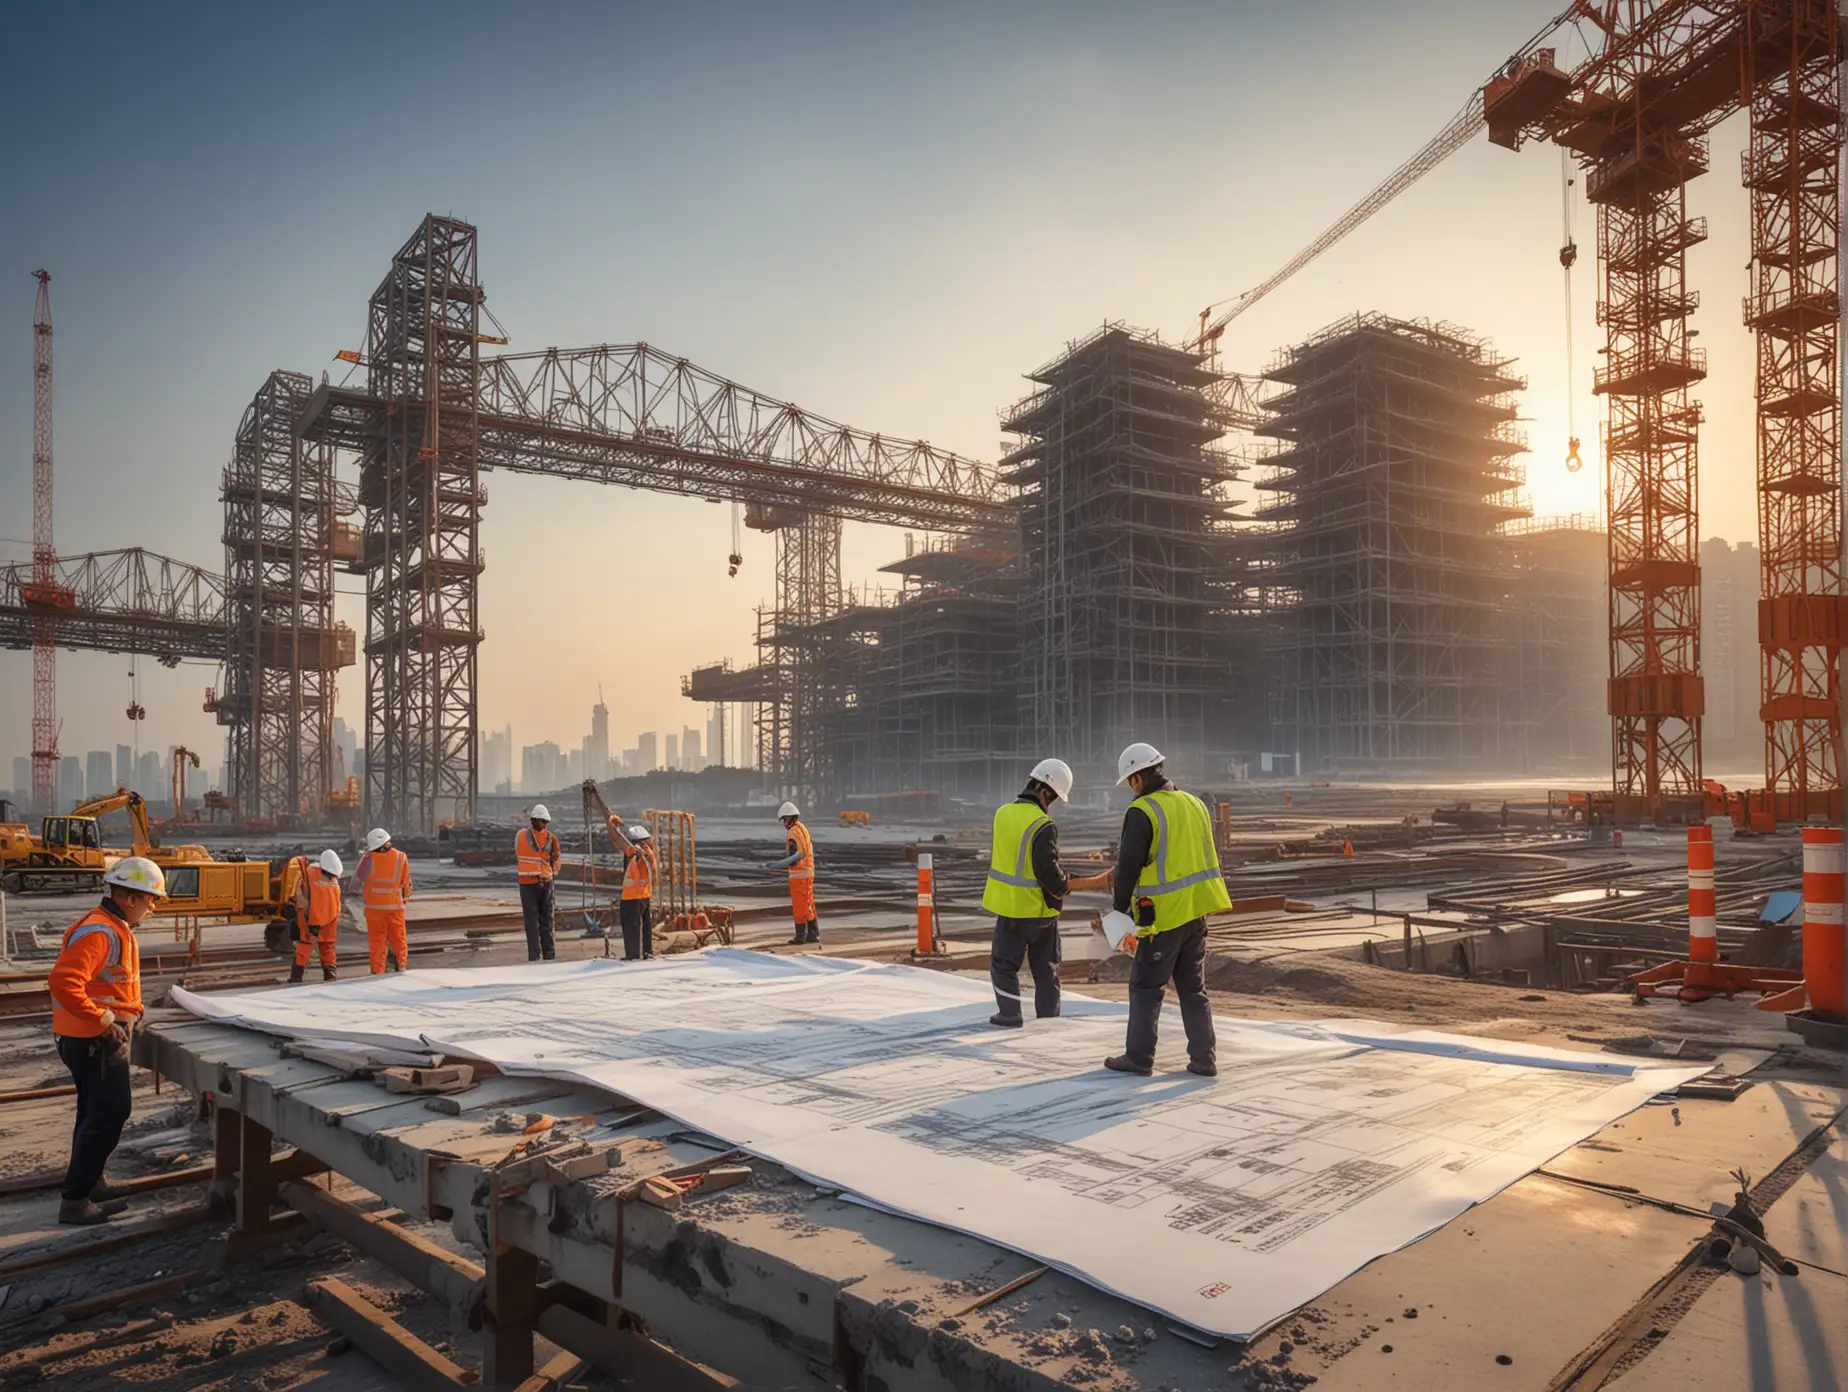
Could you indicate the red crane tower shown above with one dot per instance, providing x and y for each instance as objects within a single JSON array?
[
  {"x": 42, "y": 596},
  {"x": 1636, "y": 112}
]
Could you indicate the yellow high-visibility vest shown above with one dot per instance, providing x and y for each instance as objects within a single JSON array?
[
  {"x": 1182, "y": 875},
  {"x": 1013, "y": 891}
]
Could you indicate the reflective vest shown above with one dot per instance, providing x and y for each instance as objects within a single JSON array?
[
  {"x": 387, "y": 878},
  {"x": 803, "y": 869},
  {"x": 534, "y": 854},
  {"x": 1013, "y": 891},
  {"x": 318, "y": 896},
  {"x": 638, "y": 872},
  {"x": 114, "y": 986},
  {"x": 1182, "y": 875}
]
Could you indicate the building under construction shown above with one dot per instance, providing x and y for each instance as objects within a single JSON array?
[{"x": 1411, "y": 631}]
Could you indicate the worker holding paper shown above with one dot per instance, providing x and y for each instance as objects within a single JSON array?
[{"x": 1167, "y": 881}]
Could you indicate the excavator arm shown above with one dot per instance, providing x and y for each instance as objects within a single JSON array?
[{"x": 142, "y": 838}]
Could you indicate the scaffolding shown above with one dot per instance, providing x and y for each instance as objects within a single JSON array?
[
  {"x": 1556, "y": 612},
  {"x": 1131, "y": 590},
  {"x": 283, "y": 535},
  {"x": 1385, "y": 503}
]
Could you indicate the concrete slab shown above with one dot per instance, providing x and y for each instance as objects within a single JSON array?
[
  {"x": 1686, "y": 1152},
  {"x": 1765, "y": 1333}
]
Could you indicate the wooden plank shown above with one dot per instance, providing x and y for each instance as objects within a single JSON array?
[
  {"x": 33, "y": 1094},
  {"x": 554, "y": 1375},
  {"x": 423, "y": 1263},
  {"x": 382, "y": 1339},
  {"x": 120, "y": 1235},
  {"x": 147, "y": 1184},
  {"x": 130, "y": 1295},
  {"x": 450, "y": 1077}
]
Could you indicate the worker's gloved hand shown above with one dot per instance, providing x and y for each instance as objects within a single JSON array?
[
  {"x": 1117, "y": 927},
  {"x": 115, "y": 1039}
]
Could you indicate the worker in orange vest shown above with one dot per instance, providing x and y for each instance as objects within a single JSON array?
[
  {"x": 800, "y": 862},
  {"x": 384, "y": 883},
  {"x": 317, "y": 913},
  {"x": 638, "y": 876},
  {"x": 535, "y": 849},
  {"x": 95, "y": 1002}
]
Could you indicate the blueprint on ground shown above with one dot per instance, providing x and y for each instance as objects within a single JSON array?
[{"x": 1224, "y": 1203}]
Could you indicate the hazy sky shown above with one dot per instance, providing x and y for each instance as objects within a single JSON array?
[{"x": 886, "y": 213}]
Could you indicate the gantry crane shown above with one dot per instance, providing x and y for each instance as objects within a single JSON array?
[{"x": 434, "y": 414}]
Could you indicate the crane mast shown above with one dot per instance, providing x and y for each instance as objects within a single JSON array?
[{"x": 44, "y": 557}]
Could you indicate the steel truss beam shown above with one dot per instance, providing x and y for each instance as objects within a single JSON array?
[{"x": 130, "y": 601}]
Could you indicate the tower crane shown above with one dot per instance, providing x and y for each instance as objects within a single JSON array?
[{"x": 1657, "y": 76}]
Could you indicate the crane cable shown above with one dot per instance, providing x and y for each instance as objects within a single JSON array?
[{"x": 1568, "y": 253}]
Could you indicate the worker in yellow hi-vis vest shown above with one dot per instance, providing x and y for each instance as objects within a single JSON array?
[
  {"x": 1026, "y": 889},
  {"x": 1168, "y": 874}
]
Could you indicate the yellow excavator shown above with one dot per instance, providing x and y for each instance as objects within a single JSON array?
[
  {"x": 68, "y": 856},
  {"x": 68, "y": 853}
]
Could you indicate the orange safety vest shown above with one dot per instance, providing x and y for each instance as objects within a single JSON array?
[
  {"x": 638, "y": 872},
  {"x": 323, "y": 894},
  {"x": 387, "y": 879},
  {"x": 803, "y": 869},
  {"x": 116, "y": 985},
  {"x": 534, "y": 855}
]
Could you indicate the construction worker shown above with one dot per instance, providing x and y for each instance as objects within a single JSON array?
[
  {"x": 800, "y": 862},
  {"x": 1168, "y": 868},
  {"x": 384, "y": 882},
  {"x": 638, "y": 876},
  {"x": 1025, "y": 890},
  {"x": 317, "y": 913},
  {"x": 95, "y": 1002},
  {"x": 536, "y": 850}
]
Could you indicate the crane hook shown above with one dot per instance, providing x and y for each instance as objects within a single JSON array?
[{"x": 1573, "y": 462}]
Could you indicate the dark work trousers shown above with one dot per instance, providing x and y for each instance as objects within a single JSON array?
[
  {"x": 103, "y": 1104},
  {"x": 1178, "y": 955},
  {"x": 536, "y": 904},
  {"x": 1035, "y": 940},
  {"x": 637, "y": 929}
]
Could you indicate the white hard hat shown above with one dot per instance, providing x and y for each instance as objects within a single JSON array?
[
  {"x": 539, "y": 814},
  {"x": 1055, "y": 774},
  {"x": 331, "y": 864},
  {"x": 1135, "y": 759},
  {"x": 638, "y": 833},
  {"x": 137, "y": 872},
  {"x": 788, "y": 809},
  {"x": 377, "y": 837}
]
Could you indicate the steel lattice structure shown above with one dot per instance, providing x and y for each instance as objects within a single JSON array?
[
  {"x": 282, "y": 535},
  {"x": 624, "y": 414},
  {"x": 130, "y": 601},
  {"x": 1636, "y": 112},
  {"x": 47, "y": 601}
]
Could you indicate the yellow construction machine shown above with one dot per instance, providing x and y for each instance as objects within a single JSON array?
[{"x": 68, "y": 853}]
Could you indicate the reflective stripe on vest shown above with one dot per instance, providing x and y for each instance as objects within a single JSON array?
[
  {"x": 533, "y": 854},
  {"x": 386, "y": 872},
  {"x": 638, "y": 873},
  {"x": 1182, "y": 875},
  {"x": 116, "y": 985},
  {"x": 803, "y": 869},
  {"x": 1013, "y": 891}
]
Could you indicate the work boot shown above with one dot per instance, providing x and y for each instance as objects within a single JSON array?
[
  {"x": 82, "y": 1213},
  {"x": 1206, "y": 1068},
  {"x": 1123, "y": 1063},
  {"x": 1005, "y": 1020},
  {"x": 105, "y": 1192},
  {"x": 329, "y": 974},
  {"x": 801, "y": 936},
  {"x": 295, "y": 975},
  {"x": 814, "y": 930}
]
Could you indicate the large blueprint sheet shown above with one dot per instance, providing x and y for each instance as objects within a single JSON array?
[{"x": 1225, "y": 1203}]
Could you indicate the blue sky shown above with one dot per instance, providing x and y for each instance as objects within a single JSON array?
[{"x": 886, "y": 213}]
